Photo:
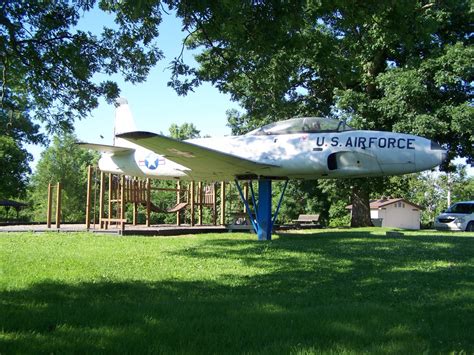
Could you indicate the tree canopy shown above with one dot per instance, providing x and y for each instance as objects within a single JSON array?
[
  {"x": 404, "y": 66},
  {"x": 49, "y": 66},
  {"x": 52, "y": 72}
]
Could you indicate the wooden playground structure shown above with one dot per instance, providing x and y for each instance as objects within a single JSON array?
[{"x": 116, "y": 192}]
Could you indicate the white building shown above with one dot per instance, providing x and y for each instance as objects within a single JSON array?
[{"x": 394, "y": 212}]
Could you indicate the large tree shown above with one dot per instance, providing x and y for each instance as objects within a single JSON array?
[
  {"x": 49, "y": 66},
  {"x": 45, "y": 56},
  {"x": 404, "y": 65}
]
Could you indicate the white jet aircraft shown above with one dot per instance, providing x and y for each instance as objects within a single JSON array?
[{"x": 298, "y": 148}]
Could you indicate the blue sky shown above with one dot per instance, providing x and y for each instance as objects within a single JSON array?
[{"x": 155, "y": 106}]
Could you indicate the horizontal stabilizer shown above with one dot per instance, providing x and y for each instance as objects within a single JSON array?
[
  {"x": 104, "y": 148},
  {"x": 202, "y": 161}
]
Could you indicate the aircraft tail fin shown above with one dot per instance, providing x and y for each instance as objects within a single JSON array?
[{"x": 123, "y": 122}]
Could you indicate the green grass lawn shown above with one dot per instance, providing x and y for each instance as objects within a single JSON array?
[{"x": 326, "y": 291}]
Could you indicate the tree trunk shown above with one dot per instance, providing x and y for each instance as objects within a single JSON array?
[
  {"x": 360, "y": 204},
  {"x": 361, "y": 187}
]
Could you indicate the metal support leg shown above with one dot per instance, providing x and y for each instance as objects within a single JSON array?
[
  {"x": 263, "y": 222},
  {"x": 246, "y": 203},
  {"x": 264, "y": 210},
  {"x": 275, "y": 215}
]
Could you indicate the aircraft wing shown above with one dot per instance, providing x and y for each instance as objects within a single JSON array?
[
  {"x": 204, "y": 163},
  {"x": 104, "y": 148}
]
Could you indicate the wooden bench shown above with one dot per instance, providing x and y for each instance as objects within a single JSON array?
[
  {"x": 306, "y": 219},
  {"x": 239, "y": 218},
  {"x": 240, "y": 222}
]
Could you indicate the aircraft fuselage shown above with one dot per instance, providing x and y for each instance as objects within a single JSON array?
[{"x": 299, "y": 155}]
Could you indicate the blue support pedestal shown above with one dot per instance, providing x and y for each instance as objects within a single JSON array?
[
  {"x": 264, "y": 210},
  {"x": 264, "y": 220}
]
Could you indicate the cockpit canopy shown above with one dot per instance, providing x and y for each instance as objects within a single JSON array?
[{"x": 301, "y": 125}]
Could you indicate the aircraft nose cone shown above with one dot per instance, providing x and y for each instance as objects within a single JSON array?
[
  {"x": 444, "y": 156},
  {"x": 435, "y": 146},
  {"x": 442, "y": 153}
]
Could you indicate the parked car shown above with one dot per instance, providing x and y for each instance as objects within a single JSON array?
[{"x": 459, "y": 216}]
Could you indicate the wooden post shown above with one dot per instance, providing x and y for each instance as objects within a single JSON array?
[
  {"x": 135, "y": 213},
  {"x": 246, "y": 194},
  {"x": 142, "y": 196},
  {"x": 58, "y": 205},
  {"x": 88, "y": 198},
  {"x": 110, "y": 195},
  {"x": 136, "y": 189},
  {"x": 200, "y": 203},
  {"x": 101, "y": 200},
  {"x": 122, "y": 203},
  {"x": 148, "y": 201},
  {"x": 214, "y": 204},
  {"x": 191, "y": 195},
  {"x": 48, "y": 213},
  {"x": 94, "y": 192},
  {"x": 222, "y": 203},
  {"x": 178, "y": 200}
]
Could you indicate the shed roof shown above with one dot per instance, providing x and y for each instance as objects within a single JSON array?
[{"x": 383, "y": 202}]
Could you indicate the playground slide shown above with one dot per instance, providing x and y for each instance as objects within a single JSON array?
[{"x": 180, "y": 206}]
